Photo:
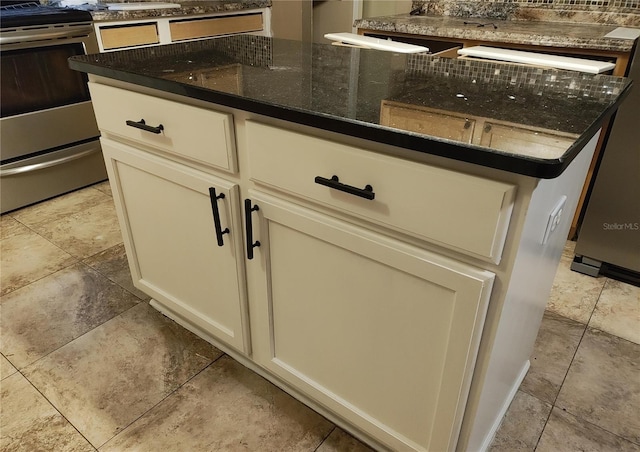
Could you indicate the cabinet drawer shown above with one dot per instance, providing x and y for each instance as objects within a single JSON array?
[
  {"x": 197, "y": 134},
  {"x": 117, "y": 36},
  {"x": 206, "y": 28},
  {"x": 458, "y": 211}
]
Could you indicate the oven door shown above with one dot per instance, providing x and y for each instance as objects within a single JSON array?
[{"x": 45, "y": 105}]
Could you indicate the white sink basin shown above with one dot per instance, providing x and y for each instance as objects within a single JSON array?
[{"x": 133, "y": 6}]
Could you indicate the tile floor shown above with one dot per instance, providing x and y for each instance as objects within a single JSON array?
[{"x": 74, "y": 330}]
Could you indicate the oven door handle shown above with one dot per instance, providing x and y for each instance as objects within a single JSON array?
[
  {"x": 44, "y": 165},
  {"x": 39, "y": 35}
]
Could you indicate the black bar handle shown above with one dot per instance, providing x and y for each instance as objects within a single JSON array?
[
  {"x": 216, "y": 215},
  {"x": 334, "y": 182},
  {"x": 143, "y": 126},
  {"x": 249, "y": 226}
]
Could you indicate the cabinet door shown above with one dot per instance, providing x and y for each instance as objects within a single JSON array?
[
  {"x": 166, "y": 214},
  {"x": 378, "y": 331}
]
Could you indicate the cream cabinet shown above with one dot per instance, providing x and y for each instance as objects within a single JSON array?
[
  {"x": 181, "y": 221},
  {"x": 183, "y": 239},
  {"x": 399, "y": 298},
  {"x": 382, "y": 333},
  {"x": 331, "y": 297}
]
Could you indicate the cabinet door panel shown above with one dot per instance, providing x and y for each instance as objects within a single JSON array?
[
  {"x": 166, "y": 215},
  {"x": 381, "y": 332}
]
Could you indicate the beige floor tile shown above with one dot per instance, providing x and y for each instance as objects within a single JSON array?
[
  {"x": 9, "y": 227},
  {"x": 225, "y": 408},
  {"x": 27, "y": 257},
  {"x": 341, "y": 441},
  {"x": 113, "y": 264},
  {"x": 6, "y": 368},
  {"x": 60, "y": 207},
  {"x": 618, "y": 311},
  {"x": 602, "y": 385},
  {"x": 557, "y": 342},
  {"x": 104, "y": 187},
  {"x": 29, "y": 423},
  {"x": 522, "y": 425},
  {"x": 565, "y": 432},
  {"x": 51, "y": 312},
  {"x": 574, "y": 295},
  {"x": 87, "y": 232},
  {"x": 107, "y": 378}
]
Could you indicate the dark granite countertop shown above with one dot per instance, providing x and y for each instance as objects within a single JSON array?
[
  {"x": 187, "y": 8},
  {"x": 341, "y": 89},
  {"x": 551, "y": 34}
]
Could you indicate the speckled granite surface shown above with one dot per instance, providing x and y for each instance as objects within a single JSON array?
[
  {"x": 618, "y": 12},
  {"x": 341, "y": 89},
  {"x": 187, "y": 8},
  {"x": 552, "y": 34}
]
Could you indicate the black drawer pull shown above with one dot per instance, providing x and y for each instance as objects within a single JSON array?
[
  {"x": 143, "y": 126},
  {"x": 216, "y": 215},
  {"x": 334, "y": 182},
  {"x": 249, "y": 227}
]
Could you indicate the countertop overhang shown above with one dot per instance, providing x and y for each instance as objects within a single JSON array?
[{"x": 340, "y": 89}]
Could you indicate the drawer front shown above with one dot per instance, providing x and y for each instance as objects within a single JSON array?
[
  {"x": 117, "y": 36},
  {"x": 206, "y": 28},
  {"x": 193, "y": 133},
  {"x": 459, "y": 211}
]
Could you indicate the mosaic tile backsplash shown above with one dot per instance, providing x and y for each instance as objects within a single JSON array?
[{"x": 616, "y": 12}]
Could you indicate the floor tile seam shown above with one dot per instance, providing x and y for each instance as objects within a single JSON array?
[
  {"x": 593, "y": 328},
  {"x": 546, "y": 421},
  {"x": 74, "y": 339},
  {"x": 57, "y": 410},
  {"x": 44, "y": 276},
  {"x": 582, "y": 419},
  {"x": 41, "y": 224},
  {"x": 104, "y": 274},
  {"x": 536, "y": 397},
  {"x": 162, "y": 400},
  {"x": 326, "y": 437}
]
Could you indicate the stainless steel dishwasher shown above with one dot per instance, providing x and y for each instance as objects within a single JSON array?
[{"x": 609, "y": 238}]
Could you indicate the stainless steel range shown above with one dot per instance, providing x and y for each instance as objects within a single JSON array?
[{"x": 48, "y": 133}]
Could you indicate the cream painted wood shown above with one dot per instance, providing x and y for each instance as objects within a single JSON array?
[
  {"x": 199, "y": 135},
  {"x": 167, "y": 223},
  {"x": 382, "y": 333},
  {"x": 459, "y": 211}
]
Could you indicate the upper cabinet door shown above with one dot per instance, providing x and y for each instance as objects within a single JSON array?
[
  {"x": 166, "y": 213},
  {"x": 380, "y": 332}
]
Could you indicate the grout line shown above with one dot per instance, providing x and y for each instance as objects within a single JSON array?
[
  {"x": 325, "y": 438},
  {"x": 124, "y": 428},
  {"x": 57, "y": 410}
]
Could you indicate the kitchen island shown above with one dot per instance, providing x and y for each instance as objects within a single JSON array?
[{"x": 311, "y": 208}]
